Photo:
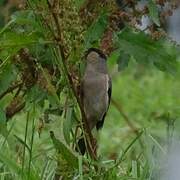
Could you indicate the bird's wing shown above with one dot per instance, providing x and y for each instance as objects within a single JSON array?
[
  {"x": 109, "y": 90},
  {"x": 100, "y": 123}
]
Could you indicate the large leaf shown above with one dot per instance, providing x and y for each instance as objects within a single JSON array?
[
  {"x": 96, "y": 30},
  {"x": 146, "y": 50},
  {"x": 65, "y": 151}
]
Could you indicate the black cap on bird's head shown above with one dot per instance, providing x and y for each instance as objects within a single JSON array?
[{"x": 98, "y": 51}]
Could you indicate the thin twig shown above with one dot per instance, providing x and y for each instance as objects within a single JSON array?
[
  {"x": 25, "y": 140},
  {"x": 119, "y": 108},
  {"x": 19, "y": 89},
  {"x": 126, "y": 118},
  {"x": 10, "y": 89},
  {"x": 10, "y": 114}
]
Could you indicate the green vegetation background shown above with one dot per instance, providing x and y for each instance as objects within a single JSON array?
[{"x": 138, "y": 130}]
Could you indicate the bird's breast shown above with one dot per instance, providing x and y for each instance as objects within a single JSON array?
[{"x": 95, "y": 95}]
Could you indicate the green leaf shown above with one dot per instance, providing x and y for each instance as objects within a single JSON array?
[
  {"x": 25, "y": 17},
  {"x": 113, "y": 58},
  {"x": 67, "y": 125},
  {"x": 36, "y": 95},
  {"x": 6, "y": 26},
  {"x": 153, "y": 11},
  {"x": 11, "y": 164},
  {"x": 12, "y": 39},
  {"x": 14, "y": 167},
  {"x": 79, "y": 3},
  {"x": 7, "y": 75},
  {"x": 123, "y": 61},
  {"x": 23, "y": 143},
  {"x": 96, "y": 30},
  {"x": 65, "y": 151},
  {"x": 2, "y": 2},
  {"x": 147, "y": 51},
  {"x": 2, "y": 116}
]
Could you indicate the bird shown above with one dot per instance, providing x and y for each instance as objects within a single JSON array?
[{"x": 96, "y": 88}]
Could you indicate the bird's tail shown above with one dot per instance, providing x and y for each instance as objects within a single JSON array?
[{"x": 81, "y": 146}]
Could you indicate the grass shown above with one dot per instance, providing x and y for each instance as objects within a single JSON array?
[
  {"x": 149, "y": 99},
  {"x": 142, "y": 125}
]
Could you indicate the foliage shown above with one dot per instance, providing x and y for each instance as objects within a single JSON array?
[
  {"x": 42, "y": 45},
  {"x": 143, "y": 48}
]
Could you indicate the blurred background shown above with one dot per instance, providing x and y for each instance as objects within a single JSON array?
[{"x": 147, "y": 99}]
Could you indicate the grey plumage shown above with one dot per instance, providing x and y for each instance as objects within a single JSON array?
[
  {"x": 95, "y": 86},
  {"x": 95, "y": 89}
]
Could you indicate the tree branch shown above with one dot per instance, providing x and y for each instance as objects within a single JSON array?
[
  {"x": 88, "y": 135},
  {"x": 126, "y": 118},
  {"x": 119, "y": 108}
]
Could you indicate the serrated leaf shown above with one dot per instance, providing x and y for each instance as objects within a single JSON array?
[
  {"x": 146, "y": 50},
  {"x": 65, "y": 151},
  {"x": 153, "y": 12},
  {"x": 96, "y": 30}
]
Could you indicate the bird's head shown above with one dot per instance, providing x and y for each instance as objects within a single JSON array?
[{"x": 94, "y": 55}]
